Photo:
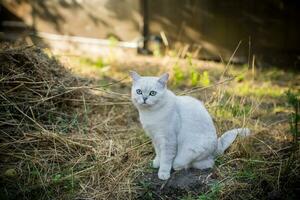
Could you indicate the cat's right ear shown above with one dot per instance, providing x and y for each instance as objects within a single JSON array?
[
  {"x": 134, "y": 76},
  {"x": 163, "y": 79}
]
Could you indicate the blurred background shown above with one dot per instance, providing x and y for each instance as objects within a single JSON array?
[{"x": 268, "y": 30}]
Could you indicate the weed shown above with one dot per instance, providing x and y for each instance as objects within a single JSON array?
[
  {"x": 157, "y": 50},
  {"x": 146, "y": 187},
  {"x": 178, "y": 75},
  {"x": 195, "y": 77},
  {"x": 293, "y": 100},
  {"x": 213, "y": 194},
  {"x": 204, "y": 79},
  {"x": 198, "y": 78},
  {"x": 97, "y": 63},
  {"x": 113, "y": 41},
  {"x": 247, "y": 174}
]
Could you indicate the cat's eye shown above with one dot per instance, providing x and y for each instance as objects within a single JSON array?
[
  {"x": 138, "y": 91},
  {"x": 152, "y": 93}
]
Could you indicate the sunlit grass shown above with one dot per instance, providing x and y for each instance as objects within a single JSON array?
[{"x": 264, "y": 89}]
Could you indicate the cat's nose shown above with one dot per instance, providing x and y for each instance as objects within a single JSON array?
[{"x": 145, "y": 98}]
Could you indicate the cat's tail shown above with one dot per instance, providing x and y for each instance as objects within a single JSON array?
[{"x": 228, "y": 137}]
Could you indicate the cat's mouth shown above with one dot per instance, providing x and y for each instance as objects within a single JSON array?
[{"x": 144, "y": 104}]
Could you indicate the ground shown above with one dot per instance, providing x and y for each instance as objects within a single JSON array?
[{"x": 96, "y": 148}]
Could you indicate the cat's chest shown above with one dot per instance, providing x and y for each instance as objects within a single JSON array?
[
  {"x": 152, "y": 124},
  {"x": 157, "y": 123}
]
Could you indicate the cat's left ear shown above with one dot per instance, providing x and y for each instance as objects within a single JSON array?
[
  {"x": 163, "y": 79},
  {"x": 134, "y": 75}
]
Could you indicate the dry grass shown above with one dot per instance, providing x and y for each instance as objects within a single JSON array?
[
  {"x": 49, "y": 144},
  {"x": 65, "y": 137}
]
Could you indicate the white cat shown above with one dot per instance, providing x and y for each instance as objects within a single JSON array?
[{"x": 181, "y": 129}]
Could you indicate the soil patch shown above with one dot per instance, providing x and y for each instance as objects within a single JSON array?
[{"x": 181, "y": 183}]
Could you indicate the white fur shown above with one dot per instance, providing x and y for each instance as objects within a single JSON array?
[{"x": 181, "y": 129}]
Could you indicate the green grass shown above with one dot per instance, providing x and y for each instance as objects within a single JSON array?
[
  {"x": 265, "y": 89},
  {"x": 96, "y": 63},
  {"x": 293, "y": 100},
  {"x": 194, "y": 77},
  {"x": 212, "y": 194}
]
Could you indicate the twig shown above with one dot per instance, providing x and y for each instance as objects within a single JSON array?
[
  {"x": 250, "y": 160},
  {"x": 278, "y": 178},
  {"x": 231, "y": 57},
  {"x": 200, "y": 88}
]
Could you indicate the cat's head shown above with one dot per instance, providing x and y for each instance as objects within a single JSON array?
[{"x": 148, "y": 91}]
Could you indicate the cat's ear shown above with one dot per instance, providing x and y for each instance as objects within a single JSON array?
[
  {"x": 163, "y": 79},
  {"x": 135, "y": 76}
]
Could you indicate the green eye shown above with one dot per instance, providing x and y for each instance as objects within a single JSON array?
[
  {"x": 152, "y": 93},
  {"x": 138, "y": 91}
]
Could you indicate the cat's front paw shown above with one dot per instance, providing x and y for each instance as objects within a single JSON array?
[
  {"x": 163, "y": 175},
  {"x": 155, "y": 162}
]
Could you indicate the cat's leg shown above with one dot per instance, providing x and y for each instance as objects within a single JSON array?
[
  {"x": 204, "y": 164},
  {"x": 155, "y": 162},
  {"x": 186, "y": 156},
  {"x": 167, "y": 154},
  {"x": 182, "y": 161}
]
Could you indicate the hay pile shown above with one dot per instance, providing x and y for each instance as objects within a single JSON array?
[
  {"x": 34, "y": 88},
  {"x": 36, "y": 94},
  {"x": 60, "y": 136}
]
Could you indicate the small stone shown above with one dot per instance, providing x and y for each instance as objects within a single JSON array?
[{"x": 10, "y": 173}]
